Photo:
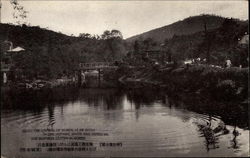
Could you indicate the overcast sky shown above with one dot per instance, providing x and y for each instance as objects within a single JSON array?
[{"x": 130, "y": 17}]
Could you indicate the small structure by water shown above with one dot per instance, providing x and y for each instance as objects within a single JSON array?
[{"x": 7, "y": 53}]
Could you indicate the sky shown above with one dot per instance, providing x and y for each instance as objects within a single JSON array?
[{"x": 130, "y": 17}]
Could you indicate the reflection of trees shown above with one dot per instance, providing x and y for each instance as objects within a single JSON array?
[
  {"x": 170, "y": 103},
  {"x": 212, "y": 135},
  {"x": 106, "y": 99},
  {"x": 229, "y": 111},
  {"x": 234, "y": 141},
  {"x": 37, "y": 101},
  {"x": 164, "y": 99},
  {"x": 51, "y": 109},
  {"x": 113, "y": 101},
  {"x": 175, "y": 100},
  {"x": 143, "y": 97},
  {"x": 232, "y": 113},
  {"x": 34, "y": 102},
  {"x": 211, "y": 141}
]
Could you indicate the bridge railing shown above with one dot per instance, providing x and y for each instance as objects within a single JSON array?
[{"x": 95, "y": 64}]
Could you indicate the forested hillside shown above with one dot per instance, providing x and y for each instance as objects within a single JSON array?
[
  {"x": 185, "y": 27},
  {"x": 216, "y": 45},
  {"x": 53, "y": 54}
]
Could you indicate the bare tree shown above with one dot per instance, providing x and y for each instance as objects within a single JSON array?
[{"x": 19, "y": 13}]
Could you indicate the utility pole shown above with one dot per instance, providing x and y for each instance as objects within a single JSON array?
[
  {"x": 207, "y": 42},
  {"x": 0, "y": 11}
]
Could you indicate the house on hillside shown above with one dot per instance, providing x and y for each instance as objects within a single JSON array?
[
  {"x": 244, "y": 40},
  {"x": 155, "y": 54},
  {"x": 7, "y": 53},
  {"x": 16, "y": 50},
  {"x": 243, "y": 44}
]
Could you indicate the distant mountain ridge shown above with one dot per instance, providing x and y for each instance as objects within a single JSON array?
[{"x": 184, "y": 27}]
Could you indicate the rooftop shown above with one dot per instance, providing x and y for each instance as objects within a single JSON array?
[{"x": 17, "y": 49}]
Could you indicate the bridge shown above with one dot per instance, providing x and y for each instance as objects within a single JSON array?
[{"x": 97, "y": 66}]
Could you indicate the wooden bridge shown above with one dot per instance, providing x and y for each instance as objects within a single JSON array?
[{"x": 97, "y": 66}]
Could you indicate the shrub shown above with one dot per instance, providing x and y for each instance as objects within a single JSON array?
[{"x": 226, "y": 90}]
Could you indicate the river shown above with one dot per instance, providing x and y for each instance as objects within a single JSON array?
[{"x": 138, "y": 122}]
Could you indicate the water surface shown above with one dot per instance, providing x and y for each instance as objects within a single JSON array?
[{"x": 146, "y": 123}]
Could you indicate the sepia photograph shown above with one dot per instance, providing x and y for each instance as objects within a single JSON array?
[{"x": 124, "y": 78}]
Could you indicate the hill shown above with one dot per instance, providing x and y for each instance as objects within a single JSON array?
[
  {"x": 52, "y": 54},
  {"x": 185, "y": 27},
  {"x": 214, "y": 45}
]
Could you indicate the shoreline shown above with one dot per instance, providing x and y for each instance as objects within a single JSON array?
[{"x": 227, "y": 84}]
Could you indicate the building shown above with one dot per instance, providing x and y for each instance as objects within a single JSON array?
[
  {"x": 244, "y": 40},
  {"x": 7, "y": 53},
  {"x": 156, "y": 55},
  {"x": 16, "y": 50}
]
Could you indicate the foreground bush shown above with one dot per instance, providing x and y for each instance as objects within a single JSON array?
[{"x": 222, "y": 84}]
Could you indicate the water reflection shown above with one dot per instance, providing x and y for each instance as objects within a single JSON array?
[
  {"x": 234, "y": 141},
  {"x": 51, "y": 116},
  {"x": 211, "y": 140},
  {"x": 112, "y": 99},
  {"x": 144, "y": 120}
]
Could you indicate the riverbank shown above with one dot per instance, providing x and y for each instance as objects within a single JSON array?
[
  {"x": 39, "y": 84},
  {"x": 221, "y": 84}
]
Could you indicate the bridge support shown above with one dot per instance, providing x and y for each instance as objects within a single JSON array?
[
  {"x": 79, "y": 78},
  {"x": 99, "y": 77},
  {"x": 99, "y": 66}
]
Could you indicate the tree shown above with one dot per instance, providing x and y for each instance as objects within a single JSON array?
[
  {"x": 207, "y": 43},
  {"x": 97, "y": 37},
  {"x": 113, "y": 34},
  {"x": 136, "y": 46},
  {"x": 116, "y": 34},
  {"x": 84, "y": 35},
  {"x": 19, "y": 12},
  {"x": 229, "y": 32},
  {"x": 148, "y": 43},
  {"x": 106, "y": 35},
  {"x": 113, "y": 43}
]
